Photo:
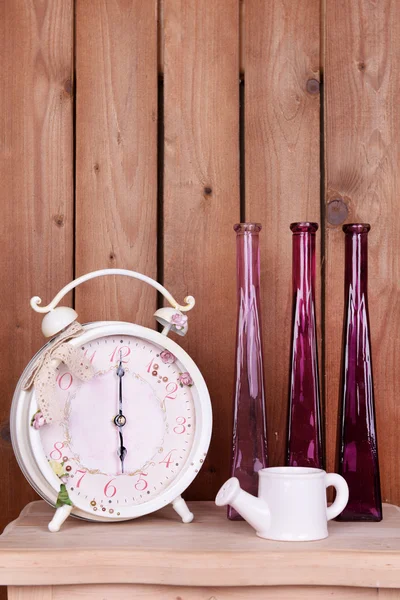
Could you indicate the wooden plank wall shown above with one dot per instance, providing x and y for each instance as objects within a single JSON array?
[
  {"x": 282, "y": 169},
  {"x": 37, "y": 195},
  {"x": 362, "y": 157},
  {"x": 124, "y": 143},
  {"x": 116, "y": 156}
]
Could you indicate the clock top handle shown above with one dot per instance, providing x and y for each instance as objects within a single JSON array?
[{"x": 57, "y": 319}]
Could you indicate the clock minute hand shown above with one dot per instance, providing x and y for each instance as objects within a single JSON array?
[{"x": 120, "y": 419}]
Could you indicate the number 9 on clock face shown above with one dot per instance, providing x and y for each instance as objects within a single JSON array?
[{"x": 130, "y": 439}]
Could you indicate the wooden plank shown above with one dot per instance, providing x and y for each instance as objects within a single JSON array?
[
  {"x": 36, "y": 258},
  {"x": 201, "y": 198},
  {"x": 161, "y": 35},
  {"x": 116, "y": 155},
  {"x": 212, "y": 551},
  {"x": 362, "y": 117},
  {"x": 152, "y": 592},
  {"x": 281, "y": 64}
]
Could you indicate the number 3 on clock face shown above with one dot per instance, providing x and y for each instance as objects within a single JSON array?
[{"x": 129, "y": 440}]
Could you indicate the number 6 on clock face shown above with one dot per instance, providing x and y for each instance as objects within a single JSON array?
[{"x": 131, "y": 438}]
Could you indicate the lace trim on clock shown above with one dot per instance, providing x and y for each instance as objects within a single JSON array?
[{"x": 44, "y": 372}]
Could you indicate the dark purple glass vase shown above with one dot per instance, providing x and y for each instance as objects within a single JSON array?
[
  {"x": 304, "y": 442},
  {"x": 249, "y": 446},
  {"x": 358, "y": 458}
]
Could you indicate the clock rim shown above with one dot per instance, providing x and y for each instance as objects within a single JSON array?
[{"x": 20, "y": 418}]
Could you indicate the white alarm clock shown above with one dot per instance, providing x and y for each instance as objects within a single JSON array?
[{"x": 111, "y": 420}]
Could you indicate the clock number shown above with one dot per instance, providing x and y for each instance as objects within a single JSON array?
[
  {"x": 171, "y": 388},
  {"x": 57, "y": 449},
  {"x": 110, "y": 490},
  {"x": 86, "y": 355},
  {"x": 120, "y": 351},
  {"x": 64, "y": 381},
  {"x": 81, "y": 477},
  {"x": 150, "y": 365},
  {"x": 141, "y": 483},
  {"x": 180, "y": 428},
  {"x": 168, "y": 459}
]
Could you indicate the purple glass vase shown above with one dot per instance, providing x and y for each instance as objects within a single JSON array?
[
  {"x": 249, "y": 446},
  {"x": 304, "y": 438},
  {"x": 358, "y": 452}
]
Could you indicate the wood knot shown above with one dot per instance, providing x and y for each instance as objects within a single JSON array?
[
  {"x": 68, "y": 87},
  {"x": 96, "y": 167},
  {"x": 337, "y": 211},
  {"x": 361, "y": 66},
  {"x": 112, "y": 256},
  {"x": 312, "y": 86},
  {"x": 5, "y": 433},
  {"x": 207, "y": 191},
  {"x": 59, "y": 220}
]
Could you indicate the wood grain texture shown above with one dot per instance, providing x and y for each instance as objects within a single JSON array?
[
  {"x": 36, "y": 133},
  {"x": 201, "y": 199},
  {"x": 116, "y": 156},
  {"x": 281, "y": 171},
  {"x": 212, "y": 551},
  {"x": 362, "y": 118},
  {"x": 30, "y": 593},
  {"x": 151, "y": 592}
]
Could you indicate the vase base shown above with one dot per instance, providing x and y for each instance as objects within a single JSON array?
[{"x": 373, "y": 516}]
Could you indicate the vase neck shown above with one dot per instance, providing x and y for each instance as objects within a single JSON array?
[
  {"x": 248, "y": 263},
  {"x": 356, "y": 262},
  {"x": 303, "y": 275}
]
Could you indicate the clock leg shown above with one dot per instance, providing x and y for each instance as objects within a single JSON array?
[
  {"x": 180, "y": 506},
  {"x": 60, "y": 516}
]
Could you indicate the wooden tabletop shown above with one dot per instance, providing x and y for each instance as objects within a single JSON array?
[{"x": 210, "y": 551}]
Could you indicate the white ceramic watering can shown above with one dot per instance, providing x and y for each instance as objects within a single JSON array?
[{"x": 291, "y": 503}]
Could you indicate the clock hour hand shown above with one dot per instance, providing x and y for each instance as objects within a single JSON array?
[{"x": 120, "y": 419}]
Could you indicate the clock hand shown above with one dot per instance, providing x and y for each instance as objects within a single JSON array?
[{"x": 120, "y": 419}]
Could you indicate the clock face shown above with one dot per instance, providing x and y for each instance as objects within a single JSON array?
[{"x": 126, "y": 435}]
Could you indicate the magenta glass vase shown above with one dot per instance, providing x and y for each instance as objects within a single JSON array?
[
  {"x": 358, "y": 451},
  {"x": 249, "y": 446},
  {"x": 304, "y": 438}
]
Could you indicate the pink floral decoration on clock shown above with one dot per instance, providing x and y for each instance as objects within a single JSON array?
[
  {"x": 167, "y": 357},
  {"x": 38, "y": 420},
  {"x": 185, "y": 379},
  {"x": 179, "y": 321}
]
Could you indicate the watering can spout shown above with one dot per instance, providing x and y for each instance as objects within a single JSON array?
[{"x": 254, "y": 510}]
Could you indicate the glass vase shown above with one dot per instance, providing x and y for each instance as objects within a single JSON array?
[
  {"x": 249, "y": 446},
  {"x": 358, "y": 452},
  {"x": 304, "y": 437}
]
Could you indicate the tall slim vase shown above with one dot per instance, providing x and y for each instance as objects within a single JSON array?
[
  {"x": 358, "y": 451},
  {"x": 249, "y": 446},
  {"x": 304, "y": 437}
]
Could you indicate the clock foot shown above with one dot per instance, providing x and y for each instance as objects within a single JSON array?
[
  {"x": 60, "y": 516},
  {"x": 180, "y": 506}
]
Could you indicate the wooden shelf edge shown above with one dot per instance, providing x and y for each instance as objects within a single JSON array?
[{"x": 158, "y": 550}]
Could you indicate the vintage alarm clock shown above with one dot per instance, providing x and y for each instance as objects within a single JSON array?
[{"x": 111, "y": 420}]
